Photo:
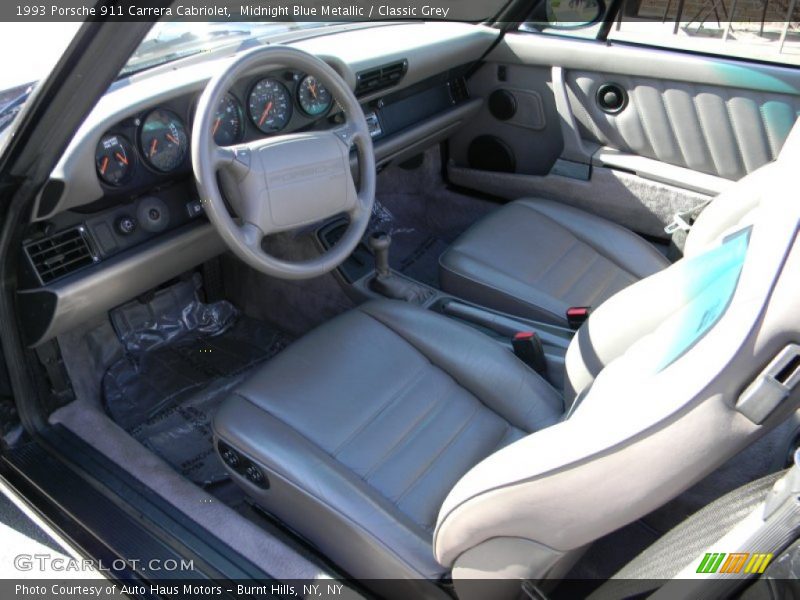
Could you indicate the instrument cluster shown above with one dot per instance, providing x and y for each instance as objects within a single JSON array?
[{"x": 139, "y": 150}]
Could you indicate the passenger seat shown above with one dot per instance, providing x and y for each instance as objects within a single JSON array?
[{"x": 536, "y": 258}]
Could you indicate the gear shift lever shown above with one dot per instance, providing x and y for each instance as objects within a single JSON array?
[
  {"x": 379, "y": 243},
  {"x": 387, "y": 283}
]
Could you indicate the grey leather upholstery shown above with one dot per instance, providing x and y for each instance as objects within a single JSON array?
[
  {"x": 536, "y": 258},
  {"x": 392, "y": 431},
  {"x": 365, "y": 424},
  {"x": 728, "y": 132}
]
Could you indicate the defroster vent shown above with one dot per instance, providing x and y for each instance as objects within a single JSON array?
[{"x": 60, "y": 254}]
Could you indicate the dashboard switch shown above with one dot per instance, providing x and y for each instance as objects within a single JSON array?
[
  {"x": 194, "y": 208},
  {"x": 152, "y": 214},
  {"x": 126, "y": 225}
]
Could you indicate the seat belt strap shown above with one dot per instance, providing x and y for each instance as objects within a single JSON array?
[{"x": 678, "y": 229}]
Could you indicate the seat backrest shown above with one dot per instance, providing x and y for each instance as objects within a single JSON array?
[
  {"x": 728, "y": 212},
  {"x": 731, "y": 206},
  {"x": 658, "y": 369}
]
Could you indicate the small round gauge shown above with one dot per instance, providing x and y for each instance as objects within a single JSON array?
[
  {"x": 228, "y": 127},
  {"x": 163, "y": 140},
  {"x": 313, "y": 97},
  {"x": 114, "y": 159},
  {"x": 270, "y": 105}
]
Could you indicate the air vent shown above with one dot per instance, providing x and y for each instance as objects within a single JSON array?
[
  {"x": 60, "y": 254},
  {"x": 380, "y": 78},
  {"x": 458, "y": 90}
]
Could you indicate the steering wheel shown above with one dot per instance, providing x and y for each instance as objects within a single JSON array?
[{"x": 284, "y": 182}]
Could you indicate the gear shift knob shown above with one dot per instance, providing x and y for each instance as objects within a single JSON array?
[{"x": 379, "y": 243}]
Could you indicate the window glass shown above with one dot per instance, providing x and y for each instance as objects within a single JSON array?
[{"x": 765, "y": 30}]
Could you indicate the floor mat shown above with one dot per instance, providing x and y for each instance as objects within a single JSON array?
[
  {"x": 182, "y": 357},
  {"x": 416, "y": 254}
]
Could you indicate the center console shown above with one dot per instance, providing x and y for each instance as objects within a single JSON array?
[{"x": 366, "y": 275}]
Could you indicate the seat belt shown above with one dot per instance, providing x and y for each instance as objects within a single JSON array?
[{"x": 678, "y": 229}]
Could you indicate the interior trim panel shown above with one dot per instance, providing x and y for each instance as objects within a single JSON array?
[
  {"x": 56, "y": 308},
  {"x": 726, "y": 132},
  {"x": 548, "y": 50}
]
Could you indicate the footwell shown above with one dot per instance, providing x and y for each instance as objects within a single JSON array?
[{"x": 182, "y": 357}]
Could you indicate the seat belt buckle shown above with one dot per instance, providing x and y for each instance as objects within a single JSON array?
[
  {"x": 528, "y": 348},
  {"x": 577, "y": 315},
  {"x": 678, "y": 223}
]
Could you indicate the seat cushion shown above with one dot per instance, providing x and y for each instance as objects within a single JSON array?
[
  {"x": 536, "y": 258},
  {"x": 364, "y": 425}
]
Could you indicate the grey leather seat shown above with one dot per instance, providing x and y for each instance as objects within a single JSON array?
[
  {"x": 536, "y": 258},
  {"x": 405, "y": 445},
  {"x": 366, "y": 423}
]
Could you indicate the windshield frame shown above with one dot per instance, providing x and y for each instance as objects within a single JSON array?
[{"x": 212, "y": 38}]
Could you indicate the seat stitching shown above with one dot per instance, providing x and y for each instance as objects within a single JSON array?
[
  {"x": 412, "y": 430},
  {"x": 437, "y": 456},
  {"x": 590, "y": 244},
  {"x": 577, "y": 278},
  {"x": 574, "y": 242},
  {"x": 429, "y": 526},
  {"x": 415, "y": 378},
  {"x": 447, "y": 374},
  {"x": 600, "y": 291},
  {"x": 508, "y": 429}
]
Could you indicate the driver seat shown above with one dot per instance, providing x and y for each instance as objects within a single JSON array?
[{"x": 407, "y": 446}]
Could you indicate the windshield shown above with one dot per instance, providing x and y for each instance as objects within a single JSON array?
[{"x": 168, "y": 41}]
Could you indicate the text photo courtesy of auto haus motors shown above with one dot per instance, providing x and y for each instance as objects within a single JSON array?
[{"x": 391, "y": 299}]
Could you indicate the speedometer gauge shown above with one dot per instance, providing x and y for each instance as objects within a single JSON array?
[
  {"x": 163, "y": 140},
  {"x": 227, "y": 127},
  {"x": 114, "y": 159},
  {"x": 313, "y": 97},
  {"x": 270, "y": 105}
]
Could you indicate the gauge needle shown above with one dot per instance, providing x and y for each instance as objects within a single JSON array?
[
  {"x": 104, "y": 166},
  {"x": 216, "y": 125},
  {"x": 267, "y": 108},
  {"x": 153, "y": 146},
  {"x": 172, "y": 139},
  {"x": 313, "y": 88},
  {"x": 121, "y": 158}
]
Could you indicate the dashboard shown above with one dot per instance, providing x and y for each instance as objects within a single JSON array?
[
  {"x": 120, "y": 213},
  {"x": 147, "y": 148}
]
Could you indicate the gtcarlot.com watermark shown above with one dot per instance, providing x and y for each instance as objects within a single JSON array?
[{"x": 57, "y": 563}]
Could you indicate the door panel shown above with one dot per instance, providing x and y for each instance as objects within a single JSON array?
[
  {"x": 532, "y": 134},
  {"x": 726, "y": 132},
  {"x": 689, "y": 127}
]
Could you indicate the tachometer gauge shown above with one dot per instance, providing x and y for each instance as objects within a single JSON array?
[
  {"x": 228, "y": 127},
  {"x": 270, "y": 105},
  {"x": 163, "y": 140},
  {"x": 114, "y": 159},
  {"x": 313, "y": 97}
]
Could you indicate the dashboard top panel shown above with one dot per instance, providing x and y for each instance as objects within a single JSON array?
[{"x": 428, "y": 48}]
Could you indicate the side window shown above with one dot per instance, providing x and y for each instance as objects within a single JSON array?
[{"x": 764, "y": 30}]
